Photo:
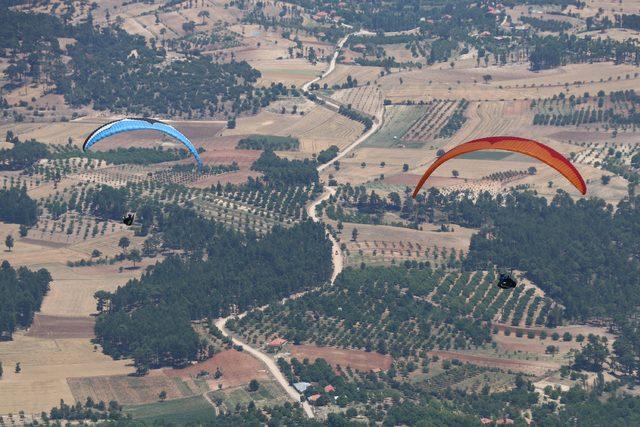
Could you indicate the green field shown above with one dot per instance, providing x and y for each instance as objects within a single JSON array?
[
  {"x": 269, "y": 394},
  {"x": 486, "y": 155},
  {"x": 397, "y": 120},
  {"x": 179, "y": 411}
]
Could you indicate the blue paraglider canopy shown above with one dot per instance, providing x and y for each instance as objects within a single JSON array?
[{"x": 127, "y": 125}]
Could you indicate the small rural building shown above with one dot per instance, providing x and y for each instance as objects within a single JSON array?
[
  {"x": 329, "y": 389},
  {"x": 277, "y": 343},
  {"x": 320, "y": 16},
  {"x": 314, "y": 397},
  {"x": 359, "y": 47},
  {"x": 486, "y": 421},
  {"x": 301, "y": 386}
]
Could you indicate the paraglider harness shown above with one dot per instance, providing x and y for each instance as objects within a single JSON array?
[
  {"x": 506, "y": 281},
  {"x": 128, "y": 219}
]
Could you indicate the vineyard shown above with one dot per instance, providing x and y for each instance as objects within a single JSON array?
[
  {"x": 441, "y": 120},
  {"x": 618, "y": 110},
  {"x": 401, "y": 312},
  {"x": 414, "y": 125}
]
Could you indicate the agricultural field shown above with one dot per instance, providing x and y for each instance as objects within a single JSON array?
[
  {"x": 367, "y": 99},
  {"x": 510, "y": 82},
  {"x": 387, "y": 245},
  {"x": 398, "y": 119},
  {"x": 357, "y": 360},
  {"x": 317, "y": 130},
  {"x": 616, "y": 111},
  {"x": 132, "y": 390},
  {"x": 268, "y": 394},
  {"x": 236, "y": 369},
  {"x": 364, "y": 75},
  {"x": 46, "y": 364},
  {"x": 176, "y": 411},
  {"x": 468, "y": 294}
]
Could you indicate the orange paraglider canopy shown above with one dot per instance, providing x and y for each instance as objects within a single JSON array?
[{"x": 517, "y": 145}]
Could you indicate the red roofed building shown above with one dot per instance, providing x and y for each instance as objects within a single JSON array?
[
  {"x": 329, "y": 389},
  {"x": 277, "y": 342},
  {"x": 320, "y": 16},
  {"x": 486, "y": 421},
  {"x": 505, "y": 421}
]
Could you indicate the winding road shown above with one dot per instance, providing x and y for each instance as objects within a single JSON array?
[{"x": 336, "y": 253}]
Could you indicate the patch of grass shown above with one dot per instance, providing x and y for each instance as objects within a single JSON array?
[
  {"x": 398, "y": 119},
  {"x": 183, "y": 387},
  {"x": 179, "y": 411},
  {"x": 485, "y": 155},
  {"x": 269, "y": 393}
]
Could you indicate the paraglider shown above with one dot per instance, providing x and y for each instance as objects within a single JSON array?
[
  {"x": 525, "y": 146},
  {"x": 128, "y": 219},
  {"x": 132, "y": 124},
  {"x": 506, "y": 281}
]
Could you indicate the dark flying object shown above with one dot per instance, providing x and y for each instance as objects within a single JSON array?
[{"x": 128, "y": 219}]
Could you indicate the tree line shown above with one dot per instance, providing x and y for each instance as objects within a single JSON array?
[{"x": 21, "y": 292}]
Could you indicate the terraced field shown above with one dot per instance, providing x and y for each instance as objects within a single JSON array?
[{"x": 367, "y": 99}]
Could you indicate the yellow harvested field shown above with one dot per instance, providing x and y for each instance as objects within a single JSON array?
[
  {"x": 509, "y": 82},
  {"x": 367, "y": 99},
  {"x": 46, "y": 364},
  {"x": 317, "y": 130},
  {"x": 362, "y": 74},
  {"x": 72, "y": 289},
  {"x": 286, "y": 71}
]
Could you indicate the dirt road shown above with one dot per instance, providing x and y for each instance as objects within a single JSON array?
[{"x": 268, "y": 361}]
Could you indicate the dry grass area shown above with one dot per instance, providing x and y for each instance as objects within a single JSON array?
[
  {"x": 238, "y": 368},
  {"x": 57, "y": 346},
  {"x": 46, "y": 364},
  {"x": 58, "y": 133},
  {"x": 509, "y": 82},
  {"x": 317, "y": 130},
  {"x": 132, "y": 390},
  {"x": 535, "y": 367},
  {"x": 362, "y": 74},
  {"x": 384, "y": 244},
  {"x": 356, "y": 359},
  {"x": 367, "y": 99},
  {"x": 58, "y": 327}
]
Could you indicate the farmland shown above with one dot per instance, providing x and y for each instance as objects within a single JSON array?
[
  {"x": 367, "y": 99},
  {"x": 412, "y": 331}
]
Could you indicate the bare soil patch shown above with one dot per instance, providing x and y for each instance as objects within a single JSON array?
[
  {"x": 536, "y": 367},
  {"x": 237, "y": 368},
  {"x": 58, "y": 327},
  {"x": 356, "y": 359}
]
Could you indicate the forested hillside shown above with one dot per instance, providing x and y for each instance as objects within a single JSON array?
[
  {"x": 149, "y": 318},
  {"x": 113, "y": 70},
  {"x": 582, "y": 253}
]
